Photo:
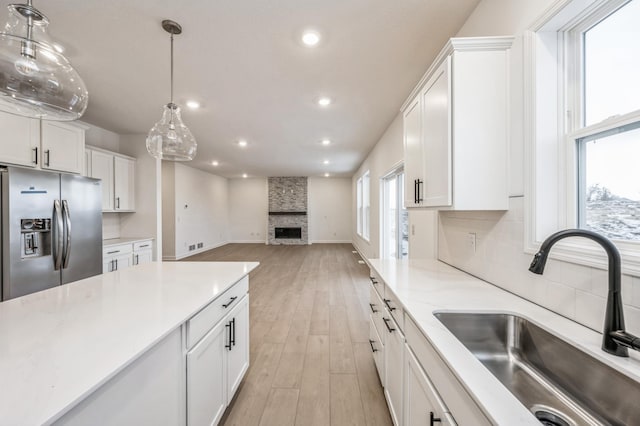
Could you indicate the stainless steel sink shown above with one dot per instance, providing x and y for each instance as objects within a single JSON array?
[{"x": 559, "y": 383}]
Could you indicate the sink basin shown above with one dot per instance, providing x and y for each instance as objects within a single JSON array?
[{"x": 559, "y": 383}]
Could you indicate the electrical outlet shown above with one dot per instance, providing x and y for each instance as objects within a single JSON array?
[
  {"x": 200, "y": 245},
  {"x": 471, "y": 241},
  {"x": 192, "y": 247}
]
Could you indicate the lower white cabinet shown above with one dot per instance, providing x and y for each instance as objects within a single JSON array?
[
  {"x": 393, "y": 368},
  {"x": 142, "y": 252},
  {"x": 377, "y": 348},
  {"x": 120, "y": 256},
  {"x": 423, "y": 405},
  {"x": 217, "y": 364}
]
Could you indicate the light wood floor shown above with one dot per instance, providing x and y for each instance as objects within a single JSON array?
[{"x": 311, "y": 363}]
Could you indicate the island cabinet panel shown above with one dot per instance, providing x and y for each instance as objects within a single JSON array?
[
  {"x": 150, "y": 391},
  {"x": 238, "y": 353}
]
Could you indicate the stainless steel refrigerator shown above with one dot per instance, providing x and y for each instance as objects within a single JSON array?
[{"x": 51, "y": 230}]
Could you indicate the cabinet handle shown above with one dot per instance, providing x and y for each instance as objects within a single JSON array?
[
  {"x": 226, "y": 305},
  {"x": 144, "y": 245},
  {"x": 117, "y": 202},
  {"x": 371, "y": 305},
  {"x": 47, "y": 153},
  {"x": 386, "y": 302},
  {"x": 371, "y": 344},
  {"x": 116, "y": 260},
  {"x": 228, "y": 345},
  {"x": 35, "y": 160},
  {"x": 112, "y": 263},
  {"x": 433, "y": 419},
  {"x": 415, "y": 191},
  {"x": 137, "y": 260},
  {"x": 114, "y": 251},
  {"x": 373, "y": 281},
  {"x": 416, "y": 188},
  {"x": 233, "y": 331},
  {"x": 386, "y": 322}
]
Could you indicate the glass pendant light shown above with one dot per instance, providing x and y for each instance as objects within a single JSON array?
[
  {"x": 36, "y": 80},
  {"x": 170, "y": 139}
]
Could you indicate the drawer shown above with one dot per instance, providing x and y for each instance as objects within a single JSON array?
[
  {"x": 376, "y": 282},
  {"x": 376, "y": 309},
  {"x": 143, "y": 245},
  {"x": 394, "y": 307},
  {"x": 377, "y": 348},
  {"x": 454, "y": 396},
  {"x": 117, "y": 250},
  {"x": 209, "y": 316}
]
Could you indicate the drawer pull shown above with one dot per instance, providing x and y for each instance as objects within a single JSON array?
[
  {"x": 386, "y": 322},
  {"x": 372, "y": 348},
  {"x": 373, "y": 280},
  {"x": 226, "y": 305},
  {"x": 228, "y": 345},
  {"x": 371, "y": 305},
  {"x": 391, "y": 308},
  {"x": 144, "y": 245},
  {"x": 113, "y": 252},
  {"x": 433, "y": 419}
]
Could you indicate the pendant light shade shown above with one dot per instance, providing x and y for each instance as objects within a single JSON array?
[
  {"x": 36, "y": 80},
  {"x": 169, "y": 138}
]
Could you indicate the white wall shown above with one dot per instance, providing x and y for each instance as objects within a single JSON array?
[
  {"x": 199, "y": 202},
  {"x": 329, "y": 211},
  {"x": 248, "y": 209},
  {"x": 147, "y": 219}
]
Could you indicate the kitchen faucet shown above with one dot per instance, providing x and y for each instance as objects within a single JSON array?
[{"x": 614, "y": 339}]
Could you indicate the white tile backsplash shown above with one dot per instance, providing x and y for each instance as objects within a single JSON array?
[{"x": 574, "y": 291}]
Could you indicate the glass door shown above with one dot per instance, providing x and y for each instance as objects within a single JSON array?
[{"x": 395, "y": 218}]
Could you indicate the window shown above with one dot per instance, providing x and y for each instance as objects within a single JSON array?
[
  {"x": 363, "y": 206},
  {"x": 582, "y": 127},
  {"x": 395, "y": 218}
]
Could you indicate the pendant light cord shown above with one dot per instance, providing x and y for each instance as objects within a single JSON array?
[{"x": 172, "y": 105}]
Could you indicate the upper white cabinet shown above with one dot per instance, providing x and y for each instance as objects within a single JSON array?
[
  {"x": 117, "y": 173},
  {"x": 456, "y": 126},
  {"x": 49, "y": 145}
]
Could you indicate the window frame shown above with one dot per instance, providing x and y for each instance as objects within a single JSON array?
[
  {"x": 359, "y": 206},
  {"x": 366, "y": 206},
  {"x": 553, "y": 119}
]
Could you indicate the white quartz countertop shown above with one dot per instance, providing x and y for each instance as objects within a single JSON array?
[
  {"x": 115, "y": 241},
  {"x": 59, "y": 345},
  {"x": 424, "y": 287}
]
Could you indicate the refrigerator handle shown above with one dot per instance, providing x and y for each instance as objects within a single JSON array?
[
  {"x": 57, "y": 235},
  {"x": 66, "y": 254}
]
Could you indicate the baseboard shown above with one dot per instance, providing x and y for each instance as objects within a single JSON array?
[
  {"x": 331, "y": 242},
  {"x": 193, "y": 252},
  {"x": 247, "y": 242}
]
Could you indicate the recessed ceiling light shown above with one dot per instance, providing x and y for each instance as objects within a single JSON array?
[
  {"x": 244, "y": 175},
  {"x": 242, "y": 143},
  {"x": 214, "y": 163},
  {"x": 325, "y": 162},
  {"x": 193, "y": 104},
  {"x": 326, "y": 142},
  {"x": 310, "y": 38},
  {"x": 327, "y": 175},
  {"x": 324, "y": 101}
]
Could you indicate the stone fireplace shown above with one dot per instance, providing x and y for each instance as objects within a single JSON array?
[{"x": 288, "y": 211}]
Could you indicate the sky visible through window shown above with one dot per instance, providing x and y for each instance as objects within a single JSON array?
[{"x": 612, "y": 87}]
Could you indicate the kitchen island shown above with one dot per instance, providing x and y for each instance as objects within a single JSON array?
[{"x": 118, "y": 345}]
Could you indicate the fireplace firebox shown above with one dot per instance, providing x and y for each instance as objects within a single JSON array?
[{"x": 289, "y": 232}]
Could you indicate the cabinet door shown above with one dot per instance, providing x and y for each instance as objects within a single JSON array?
[
  {"x": 436, "y": 136},
  {"x": 102, "y": 168},
  {"x": 124, "y": 178},
  {"x": 20, "y": 140},
  {"x": 62, "y": 147},
  {"x": 142, "y": 256},
  {"x": 422, "y": 403},
  {"x": 393, "y": 368},
  {"x": 116, "y": 263},
  {"x": 238, "y": 354},
  {"x": 206, "y": 378},
  {"x": 413, "y": 154}
]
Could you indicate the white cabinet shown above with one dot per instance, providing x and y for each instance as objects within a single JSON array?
[
  {"x": 206, "y": 378},
  {"x": 62, "y": 147},
  {"x": 142, "y": 252},
  {"x": 48, "y": 145},
  {"x": 117, "y": 173},
  {"x": 102, "y": 168},
  {"x": 393, "y": 368},
  {"x": 456, "y": 125},
  {"x": 20, "y": 140},
  {"x": 423, "y": 405},
  {"x": 124, "y": 183},
  {"x": 238, "y": 354}
]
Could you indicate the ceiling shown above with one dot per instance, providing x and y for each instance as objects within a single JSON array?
[{"x": 244, "y": 62}]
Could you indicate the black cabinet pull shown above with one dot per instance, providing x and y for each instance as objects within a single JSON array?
[
  {"x": 35, "y": 161},
  {"x": 233, "y": 332},
  {"x": 415, "y": 191},
  {"x": 116, "y": 264},
  {"x": 373, "y": 280},
  {"x": 371, "y": 305},
  {"x": 226, "y": 305},
  {"x": 386, "y": 322},
  {"x": 48, "y": 155},
  {"x": 371, "y": 344},
  {"x": 117, "y": 202},
  {"x": 433, "y": 419},
  {"x": 386, "y": 302},
  {"x": 416, "y": 188},
  {"x": 228, "y": 345}
]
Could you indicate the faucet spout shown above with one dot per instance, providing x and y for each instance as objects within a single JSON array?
[{"x": 615, "y": 340}]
